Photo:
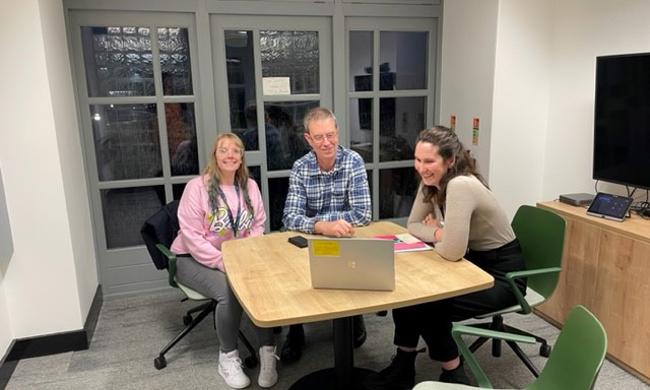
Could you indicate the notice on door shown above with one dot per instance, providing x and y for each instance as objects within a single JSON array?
[{"x": 276, "y": 86}]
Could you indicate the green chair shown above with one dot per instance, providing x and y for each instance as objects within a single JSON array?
[
  {"x": 574, "y": 364},
  {"x": 541, "y": 236},
  {"x": 158, "y": 232}
]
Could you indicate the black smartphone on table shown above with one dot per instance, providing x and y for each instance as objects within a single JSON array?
[{"x": 299, "y": 241}]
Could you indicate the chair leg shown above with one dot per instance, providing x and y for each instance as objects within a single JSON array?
[
  {"x": 497, "y": 324},
  {"x": 522, "y": 356},
  {"x": 160, "y": 361},
  {"x": 201, "y": 307}
]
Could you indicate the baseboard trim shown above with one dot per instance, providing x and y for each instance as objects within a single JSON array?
[{"x": 76, "y": 340}]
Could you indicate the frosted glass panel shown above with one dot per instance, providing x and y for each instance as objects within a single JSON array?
[
  {"x": 292, "y": 54},
  {"x": 118, "y": 61},
  {"x": 175, "y": 61}
]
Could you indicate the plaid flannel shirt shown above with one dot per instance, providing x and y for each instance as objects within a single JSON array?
[{"x": 315, "y": 195}]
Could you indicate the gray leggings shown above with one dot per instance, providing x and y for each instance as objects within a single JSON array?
[{"x": 213, "y": 284}]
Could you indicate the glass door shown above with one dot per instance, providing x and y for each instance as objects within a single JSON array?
[
  {"x": 137, "y": 97},
  {"x": 391, "y": 89},
  {"x": 275, "y": 69}
]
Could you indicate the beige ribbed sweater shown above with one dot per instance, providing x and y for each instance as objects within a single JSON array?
[{"x": 473, "y": 219}]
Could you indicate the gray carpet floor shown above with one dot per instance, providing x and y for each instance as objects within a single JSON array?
[{"x": 132, "y": 330}]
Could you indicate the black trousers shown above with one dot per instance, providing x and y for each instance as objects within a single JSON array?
[{"x": 433, "y": 320}]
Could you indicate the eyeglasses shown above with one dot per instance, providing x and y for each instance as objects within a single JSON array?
[
  {"x": 235, "y": 151},
  {"x": 321, "y": 137}
]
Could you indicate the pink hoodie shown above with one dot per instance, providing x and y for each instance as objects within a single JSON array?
[{"x": 202, "y": 232}]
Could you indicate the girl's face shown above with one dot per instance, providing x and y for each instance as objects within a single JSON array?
[
  {"x": 228, "y": 155},
  {"x": 429, "y": 164}
]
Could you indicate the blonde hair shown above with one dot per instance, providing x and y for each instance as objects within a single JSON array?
[
  {"x": 213, "y": 172},
  {"x": 318, "y": 114}
]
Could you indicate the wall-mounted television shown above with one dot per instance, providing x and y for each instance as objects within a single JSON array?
[{"x": 622, "y": 120}]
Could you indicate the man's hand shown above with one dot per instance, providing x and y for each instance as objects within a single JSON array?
[{"x": 340, "y": 228}]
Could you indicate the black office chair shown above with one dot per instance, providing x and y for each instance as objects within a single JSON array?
[{"x": 158, "y": 233}]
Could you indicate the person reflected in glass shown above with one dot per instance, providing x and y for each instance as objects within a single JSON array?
[
  {"x": 328, "y": 195},
  {"x": 456, "y": 210},
  {"x": 223, "y": 204},
  {"x": 274, "y": 147}
]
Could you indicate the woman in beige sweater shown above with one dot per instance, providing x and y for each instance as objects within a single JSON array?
[{"x": 455, "y": 210}]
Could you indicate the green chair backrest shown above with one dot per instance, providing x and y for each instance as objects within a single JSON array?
[
  {"x": 577, "y": 355},
  {"x": 541, "y": 236}
]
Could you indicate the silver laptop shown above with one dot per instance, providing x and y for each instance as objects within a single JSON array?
[{"x": 352, "y": 263}]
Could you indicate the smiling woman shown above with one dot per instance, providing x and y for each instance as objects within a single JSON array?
[{"x": 475, "y": 227}]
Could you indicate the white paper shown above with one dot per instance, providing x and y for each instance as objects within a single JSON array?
[{"x": 276, "y": 86}]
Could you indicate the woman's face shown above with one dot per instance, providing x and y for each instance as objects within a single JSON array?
[
  {"x": 228, "y": 156},
  {"x": 429, "y": 164}
]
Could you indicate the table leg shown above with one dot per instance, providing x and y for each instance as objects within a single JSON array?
[{"x": 343, "y": 375}]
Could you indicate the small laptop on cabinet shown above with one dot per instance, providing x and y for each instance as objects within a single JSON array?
[{"x": 352, "y": 263}]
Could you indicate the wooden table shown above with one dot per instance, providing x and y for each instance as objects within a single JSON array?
[{"x": 271, "y": 279}]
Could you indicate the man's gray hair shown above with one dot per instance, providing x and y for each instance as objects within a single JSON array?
[{"x": 318, "y": 114}]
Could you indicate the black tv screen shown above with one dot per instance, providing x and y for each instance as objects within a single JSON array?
[{"x": 622, "y": 120}]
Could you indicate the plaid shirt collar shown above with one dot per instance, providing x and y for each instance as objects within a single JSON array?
[{"x": 313, "y": 169}]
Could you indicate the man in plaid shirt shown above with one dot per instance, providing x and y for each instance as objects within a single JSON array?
[{"x": 328, "y": 195}]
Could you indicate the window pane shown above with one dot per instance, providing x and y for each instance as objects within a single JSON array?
[
  {"x": 126, "y": 141},
  {"x": 256, "y": 174},
  {"x": 240, "y": 64},
  {"x": 369, "y": 174},
  {"x": 292, "y": 54},
  {"x": 361, "y": 60},
  {"x": 361, "y": 127},
  {"x": 125, "y": 210},
  {"x": 285, "y": 142},
  {"x": 278, "y": 189},
  {"x": 118, "y": 61},
  {"x": 397, "y": 189},
  {"x": 403, "y": 60},
  {"x": 181, "y": 137},
  {"x": 401, "y": 120},
  {"x": 177, "y": 190},
  {"x": 175, "y": 61}
]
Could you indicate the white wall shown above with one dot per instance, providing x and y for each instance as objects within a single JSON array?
[
  {"x": 582, "y": 30},
  {"x": 521, "y": 96},
  {"x": 69, "y": 144},
  {"x": 48, "y": 283},
  {"x": 467, "y": 71}
]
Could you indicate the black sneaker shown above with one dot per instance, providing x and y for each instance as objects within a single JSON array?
[
  {"x": 457, "y": 375},
  {"x": 292, "y": 348},
  {"x": 359, "y": 329},
  {"x": 399, "y": 375}
]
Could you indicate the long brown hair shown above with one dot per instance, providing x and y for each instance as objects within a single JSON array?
[
  {"x": 449, "y": 148},
  {"x": 213, "y": 173}
]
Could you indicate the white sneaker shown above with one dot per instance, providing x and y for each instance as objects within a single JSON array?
[
  {"x": 268, "y": 361},
  {"x": 230, "y": 369}
]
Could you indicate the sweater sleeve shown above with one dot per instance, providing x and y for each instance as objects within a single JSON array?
[
  {"x": 191, "y": 217},
  {"x": 419, "y": 210},
  {"x": 259, "y": 218},
  {"x": 461, "y": 203}
]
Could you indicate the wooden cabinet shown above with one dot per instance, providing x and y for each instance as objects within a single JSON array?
[{"x": 606, "y": 267}]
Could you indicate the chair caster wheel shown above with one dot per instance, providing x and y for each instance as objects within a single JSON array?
[
  {"x": 545, "y": 350},
  {"x": 187, "y": 319},
  {"x": 250, "y": 362},
  {"x": 160, "y": 362}
]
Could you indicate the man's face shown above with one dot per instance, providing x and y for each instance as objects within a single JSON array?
[{"x": 323, "y": 137}]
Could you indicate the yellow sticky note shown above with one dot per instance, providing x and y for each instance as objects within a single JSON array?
[{"x": 326, "y": 248}]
